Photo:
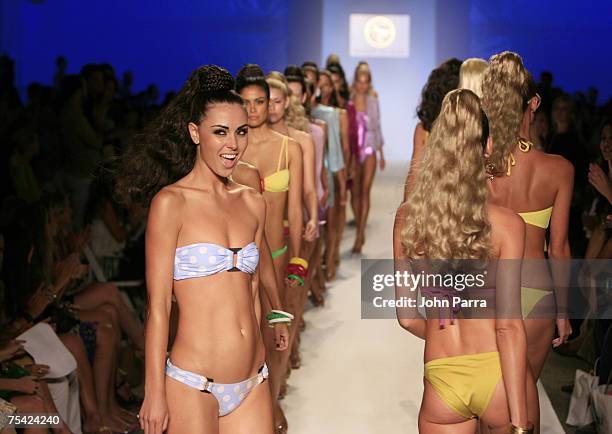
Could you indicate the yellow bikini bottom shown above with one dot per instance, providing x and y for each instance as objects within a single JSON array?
[
  {"x": 530, "y": 297},
  {"x": 465, "y": 383}
]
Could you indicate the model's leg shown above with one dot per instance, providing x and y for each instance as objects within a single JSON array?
[
  {"x": 253, "y": 416},
  {"x": 331, "y": 233},
  {"x": 369, "y": 170},
  {"x": 356, "y": 191},
  {"x": 435, "y": 417},
  {"x": 539, "y": 340},
  {"x": 339, "y": 179},
  {"x": 190, "y": 411}
]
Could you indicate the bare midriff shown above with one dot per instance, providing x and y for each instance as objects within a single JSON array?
[{"x": 218, "y": 333}]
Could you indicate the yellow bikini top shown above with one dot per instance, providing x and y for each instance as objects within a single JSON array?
[
  {"x": 539, "y": 218},
  {"x": 278, "y": 181}
]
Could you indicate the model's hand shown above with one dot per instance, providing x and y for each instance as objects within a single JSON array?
[
  {"x": 564, "y": 329},
  {"x": 153, "y": 415},
  {"x": 323, "y": 201},
  {"x": 311, "y": 230},
  {"x": 382, "y": 163},
  {"x": 281, "y": 336}
]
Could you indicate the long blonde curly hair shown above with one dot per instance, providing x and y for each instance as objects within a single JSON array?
[
  {"x": 295, "y": 115},
  {"x": 446, "y": 215},
  {"x": 503, "y": 88}
]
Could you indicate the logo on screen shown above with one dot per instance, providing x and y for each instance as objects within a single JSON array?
[{"x": 379, "y": 32}]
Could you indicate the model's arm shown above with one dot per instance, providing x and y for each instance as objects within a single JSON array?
[
  {"x": 509, "y": 233},
  {"x": 376, "y": 126},
  {"x": 160, "y": 246},
  {"x": 418, "y": 146},
  {"x": 324, "y": 178},
  {"x": 345, "y": 138},
  {"x": 259, "y": 206},
  {"x": 294, "y": 205},
  {"x": 248, "y": 175},
  {"x": 559, "y": 249},
  {"x": 408, "y": 317},
  {"x": 309, "y": 186}
]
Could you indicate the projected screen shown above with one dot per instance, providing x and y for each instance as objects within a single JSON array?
[{"x": 374, "y": 35}]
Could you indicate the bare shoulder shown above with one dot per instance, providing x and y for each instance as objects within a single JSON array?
[
  {"x": 247, "y": 174},
  {"x": 420, "y": 129},
  {"x": 402, "y": 212},
  {"x": 550, "y": 163},
  {"x": 294, "y": 148},
  {"x": 300, "y": 136},
  {"x": 168, "y": 199},
  {"x": 420, "y": 135},
  {"x": 504, "y": 221},
  {"x": 321, "y": 123}
]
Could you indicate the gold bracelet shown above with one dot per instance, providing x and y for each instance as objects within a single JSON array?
[{"x": 518, "y": 430}]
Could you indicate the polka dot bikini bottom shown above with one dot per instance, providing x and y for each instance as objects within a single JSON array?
[{"x": 229, "y": 396}]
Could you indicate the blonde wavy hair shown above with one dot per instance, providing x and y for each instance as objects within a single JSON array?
[
  {"x": 504, "y": 86},
  {"x": 470, "y": 74},
  {"x": 446, "y": 214},
  {"x": 295, "y": 115}
]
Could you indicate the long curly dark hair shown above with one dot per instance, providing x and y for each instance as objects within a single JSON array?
[
  {"x": 441, "y": 80},
  {"x": 164, "y": 152}
]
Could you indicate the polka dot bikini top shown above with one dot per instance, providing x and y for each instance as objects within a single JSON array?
[{"x": 205, "y": 259}]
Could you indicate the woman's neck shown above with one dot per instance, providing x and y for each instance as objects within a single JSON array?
[
  {"x": 524, "y": 130},
  {"x": 259, "y": 133},
  {"x": 280, "y": 127},
  {"x": 203, "y": 177}
]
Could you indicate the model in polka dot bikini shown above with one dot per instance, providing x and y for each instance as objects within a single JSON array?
[{"x": 203, "y": 242}]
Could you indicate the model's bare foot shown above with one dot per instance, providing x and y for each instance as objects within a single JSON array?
[{"x": 280, "y": 421}]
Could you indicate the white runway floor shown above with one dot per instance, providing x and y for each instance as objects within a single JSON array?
[{"x": 357, "y": 375}]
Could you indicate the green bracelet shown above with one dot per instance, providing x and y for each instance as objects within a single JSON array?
[
  {"x": 296, "y": 277},
  {"x": 277, "y": 317}
]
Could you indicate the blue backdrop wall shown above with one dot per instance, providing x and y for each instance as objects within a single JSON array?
[{"x": 161, "y": 41}]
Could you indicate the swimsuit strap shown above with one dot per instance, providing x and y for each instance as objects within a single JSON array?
[
  {"x": 280, "y": 154},
  {"x": 286, "y": 146}
]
